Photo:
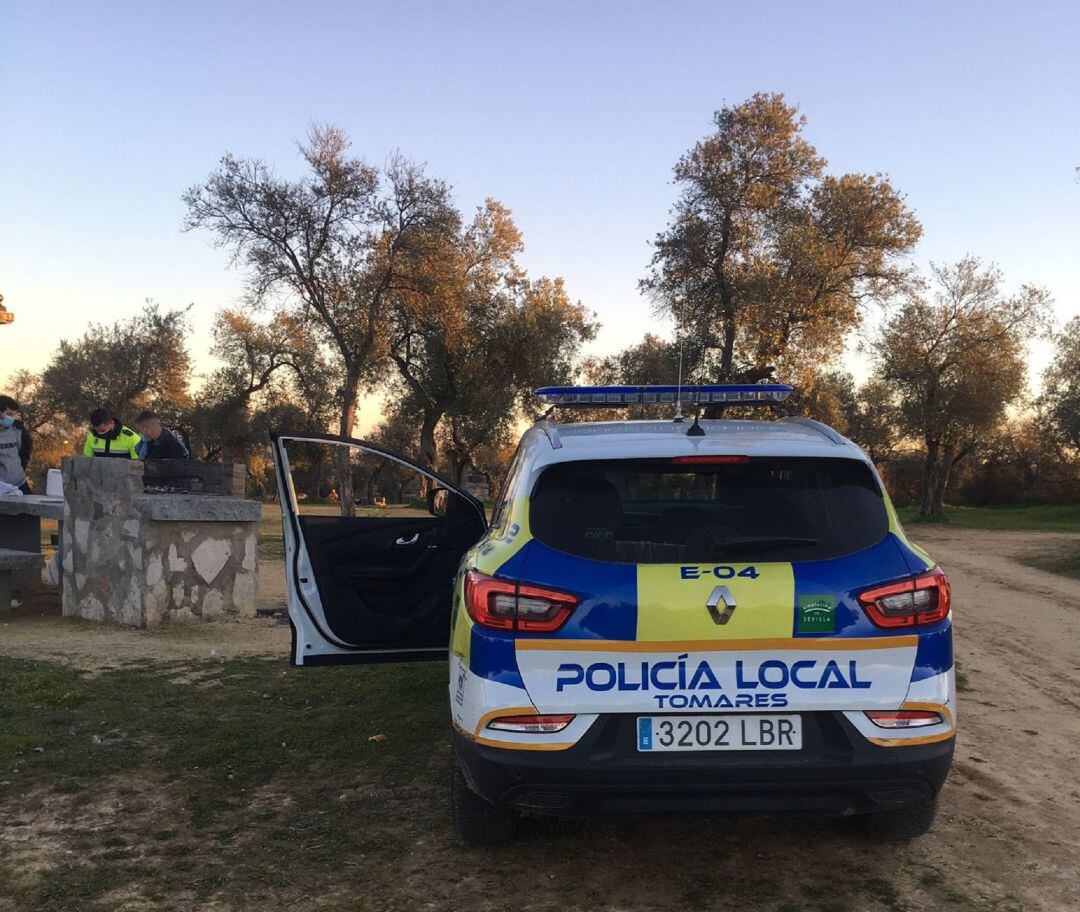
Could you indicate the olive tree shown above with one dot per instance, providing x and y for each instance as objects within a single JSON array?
[
  {"x": 955, "y": 361},
  {"x": 767, "y": 258},
  {"x": 333, "y": 246}
]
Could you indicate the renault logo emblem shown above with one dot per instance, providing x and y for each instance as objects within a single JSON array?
[{"x": 721, "y": 604}]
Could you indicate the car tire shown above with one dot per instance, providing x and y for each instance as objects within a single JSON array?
[
  {"x": 907, "y": 822},
  {"x": 477, "y": 821}
]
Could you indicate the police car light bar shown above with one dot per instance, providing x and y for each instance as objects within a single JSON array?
[{"x": 614, "y": 396}]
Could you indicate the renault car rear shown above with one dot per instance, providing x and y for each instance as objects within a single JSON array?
[{"x": 725, "y": 617}]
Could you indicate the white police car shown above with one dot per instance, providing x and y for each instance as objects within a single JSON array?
[{"x": 724, "y": 617}]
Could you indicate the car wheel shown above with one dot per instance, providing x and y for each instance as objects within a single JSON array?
[
  {"x": 477, "y": 821},
  {"x": 906, "y": 822}
]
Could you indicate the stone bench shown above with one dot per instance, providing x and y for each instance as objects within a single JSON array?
[{"x": 12, "y": 561}]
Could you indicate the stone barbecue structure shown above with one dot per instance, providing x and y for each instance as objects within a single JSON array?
[{"x": 148, "y": 559}]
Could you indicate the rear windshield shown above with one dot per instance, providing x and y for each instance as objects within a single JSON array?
[{"x": 656, "y": 511}]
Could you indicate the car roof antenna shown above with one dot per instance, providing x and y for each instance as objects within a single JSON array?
[
  {"x": 696, "y": 430},
  {"x": 678, "y": 419}
]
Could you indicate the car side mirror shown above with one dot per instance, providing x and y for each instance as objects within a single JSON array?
[{"x": 438, "y": 501}]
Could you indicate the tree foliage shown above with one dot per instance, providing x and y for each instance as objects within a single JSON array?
[
  {"x": 378, "y": 267},
  {"x": 1060, "y": 399},
  {"x": 871, "y": 421},
  {"x": 128, "y": 365},
  {"x": 1020, "y": 463},
  {"x": 332, "y": 247},
  {"x": 473, "y": 336},
  {"x": 653, "y": 360},
  {"x": 273, "y": 374},
  {"x": 767, "y": 258},
  {"x": 444, "y": 322},
  {"x": 36, "y": 406},
  {"x": 955, "y": 361}
]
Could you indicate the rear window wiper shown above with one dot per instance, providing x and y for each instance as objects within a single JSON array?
[{"x": 765, "y": 542}]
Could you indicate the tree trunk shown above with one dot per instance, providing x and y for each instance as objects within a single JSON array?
[
  {"x": 727, "y": 354},
  {"x": 715, "y": 410},
  {"x": 428, "y": 450},
  {"x": 944, "y": 471},
  {"x": 929, "y": 480},
  {"x": 344, "y": 456}
]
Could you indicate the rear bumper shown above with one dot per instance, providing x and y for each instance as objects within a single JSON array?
[{"x": 836, "y": 773}]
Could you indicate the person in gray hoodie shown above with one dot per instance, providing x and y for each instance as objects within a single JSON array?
[{"x": 15, "y": 445}]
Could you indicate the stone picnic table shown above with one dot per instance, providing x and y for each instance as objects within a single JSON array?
[{"x": 20, "y": 540}]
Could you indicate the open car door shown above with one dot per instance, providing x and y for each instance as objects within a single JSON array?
[{"x": 377, "y": 586}]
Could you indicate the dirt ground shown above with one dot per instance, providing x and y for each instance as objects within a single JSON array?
[
  {"x": 1007, "y": 836},
  {"x": 36, "y": 631}
]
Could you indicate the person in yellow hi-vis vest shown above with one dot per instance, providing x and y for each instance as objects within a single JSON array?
[{"x": 108, "y": 437}]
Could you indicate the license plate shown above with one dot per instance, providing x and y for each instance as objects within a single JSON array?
[{"x": 719, "y": 733}]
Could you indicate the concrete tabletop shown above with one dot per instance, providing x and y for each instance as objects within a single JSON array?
[
  {"x": 198, "y": 508},
  {"x": 34, "y": 505}
]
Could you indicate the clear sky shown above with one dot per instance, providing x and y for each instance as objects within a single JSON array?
[{"x": 572, "y": 114}]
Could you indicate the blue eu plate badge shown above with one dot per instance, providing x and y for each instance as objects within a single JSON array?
[{"x": 644, "y": 733}]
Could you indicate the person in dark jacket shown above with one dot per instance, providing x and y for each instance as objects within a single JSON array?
[
  {"x": 15, "y": 445},
  {"x": 159, "y": 442},
  {"x": 109, "y": 437}
]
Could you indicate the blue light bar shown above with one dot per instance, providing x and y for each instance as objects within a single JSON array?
[{"x": 615, "y": 396}]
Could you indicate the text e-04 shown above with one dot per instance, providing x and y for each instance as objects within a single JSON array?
[{"x": 720, "y": 571}]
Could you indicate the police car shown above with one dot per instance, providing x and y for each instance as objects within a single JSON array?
[{"x": 659, "y": 616}]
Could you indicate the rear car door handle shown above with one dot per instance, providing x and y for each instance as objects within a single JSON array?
[{"x": 408, "y": 541}]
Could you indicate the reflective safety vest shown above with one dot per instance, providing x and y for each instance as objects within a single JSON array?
[{"x": 121, "y": 445}]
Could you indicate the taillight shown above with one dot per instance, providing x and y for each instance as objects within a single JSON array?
[
  {"x": 507, "y": 605},
  {"x": 903, "y": 718},
  {"x": 490, "y": 602},
  {"x": 724, "y": 459},
  {"x": 537, "y": 725},
  {"x": 923, "y": 599}
]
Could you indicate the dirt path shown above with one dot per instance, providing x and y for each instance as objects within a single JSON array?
[
  {"x": 1011, "y": 809},
  {"x": 1007, "y": 837}
]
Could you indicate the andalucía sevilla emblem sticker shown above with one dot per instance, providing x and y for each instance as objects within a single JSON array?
[{"x": 817, "y": 614}]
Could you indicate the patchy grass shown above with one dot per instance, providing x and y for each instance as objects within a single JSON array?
[
  {"x": 203, "y": 754},
  {"x": 1063, "y": 563},
  {"x": 1035, "y": 518},
  {"x": 247, "y": 784},
  {"x": 213, "y": 714},
  {"x": 271, "y": 539}
]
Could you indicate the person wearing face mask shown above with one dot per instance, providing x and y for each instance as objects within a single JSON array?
[
  {"x": 108, "y": 437},
  {"x": 15, "y": 445}
]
